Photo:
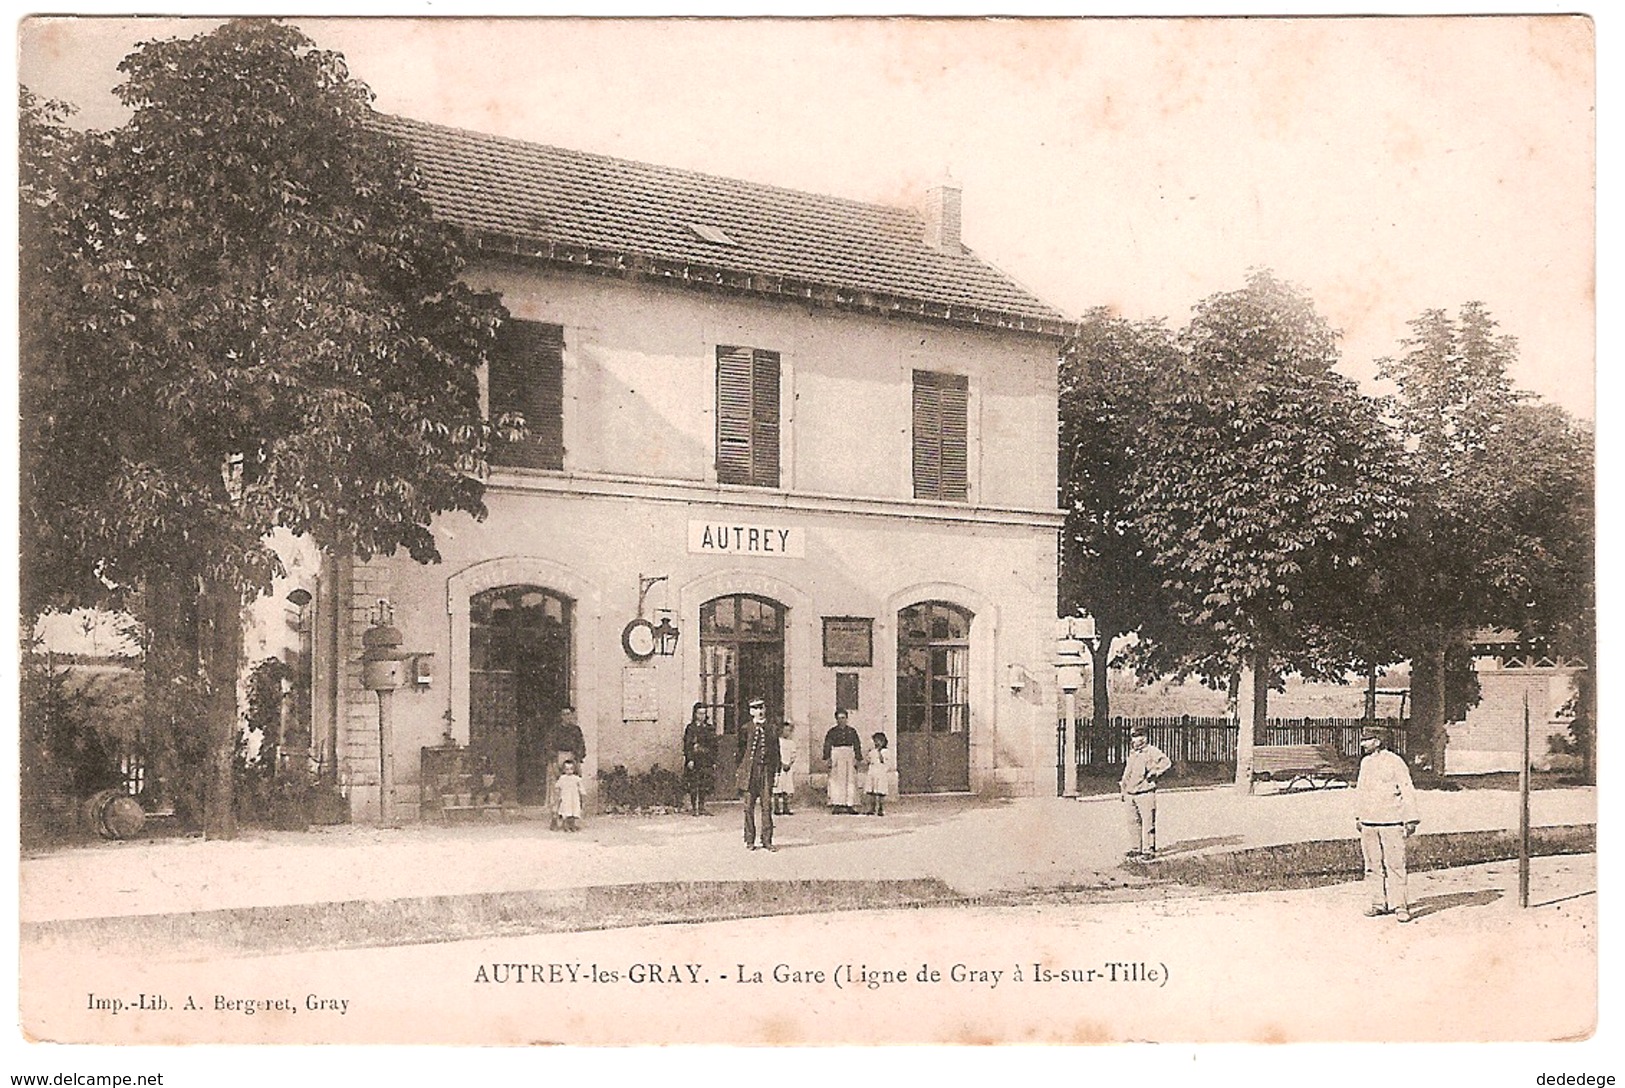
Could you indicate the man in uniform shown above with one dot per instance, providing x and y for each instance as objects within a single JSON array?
[
  {"x": 1385, "y": 814},
  {"x": 1138, "y": 788},
  {"x": 758, "y": 764}
]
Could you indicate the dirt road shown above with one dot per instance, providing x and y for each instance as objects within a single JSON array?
[{"x": 1278, "y": 966}]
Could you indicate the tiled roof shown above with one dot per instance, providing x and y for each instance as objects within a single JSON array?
[{"x": 559, "y": 204}]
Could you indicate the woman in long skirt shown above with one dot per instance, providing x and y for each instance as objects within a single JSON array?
[
  {"x": 841, "y": 749},
  {"x": 699, "y": 759}
]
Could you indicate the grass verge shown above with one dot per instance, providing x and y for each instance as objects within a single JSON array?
[
  {"x": 307, "y": 927},
  {"x": 1312, "y": 864}
]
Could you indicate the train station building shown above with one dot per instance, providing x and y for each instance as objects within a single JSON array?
[{"x": 779, "y": 445}]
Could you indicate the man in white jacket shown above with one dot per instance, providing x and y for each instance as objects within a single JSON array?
[
  {"x": 1138, "y": 788},
  {"x": 1385, "y": 813}
]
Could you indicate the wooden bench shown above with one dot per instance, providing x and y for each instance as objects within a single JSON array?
[{"x": 1315, "y": 765}]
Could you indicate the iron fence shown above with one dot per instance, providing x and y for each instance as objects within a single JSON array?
[{"x": 1186, "y": 738}]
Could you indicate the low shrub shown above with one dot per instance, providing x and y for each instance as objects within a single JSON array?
[{"x": 653, "y": 791}]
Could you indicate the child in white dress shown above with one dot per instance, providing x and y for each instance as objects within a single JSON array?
[
  {"x": 877, "y": 778},
  {"x": 570, "y": 796},
  {"x": 784, "y": 782}
]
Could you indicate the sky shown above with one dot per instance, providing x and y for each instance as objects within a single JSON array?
[{"x": 1385, "y": 166}]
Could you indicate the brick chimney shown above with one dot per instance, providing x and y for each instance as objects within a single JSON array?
[{"x": 942, "y": 216}]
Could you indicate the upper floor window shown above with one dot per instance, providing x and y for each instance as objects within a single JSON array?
[
  {"x": 748, "y": 416},
  {"x": 941, "y": 409},
  {"x": 527, "y": 380}
]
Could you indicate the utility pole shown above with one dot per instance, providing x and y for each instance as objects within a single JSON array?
[{"x": 1523, "y": 812}]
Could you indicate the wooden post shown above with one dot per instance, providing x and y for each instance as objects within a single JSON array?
[
  {"x": 1523, "y": 812},
  {"x": 1069, "y": 747},
  {"x": 386, "y": 760}
]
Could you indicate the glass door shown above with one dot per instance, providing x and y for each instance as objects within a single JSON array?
[
  {"x": 741, "y": 658},
  {"x": 933, "y": 698}
]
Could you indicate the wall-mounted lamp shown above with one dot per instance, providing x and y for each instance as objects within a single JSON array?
[
  {"x": 1016, "y": 677},
  {"x": 641, "y": 639},
  {"x": 666, "y": 634},
  {"x": 300, "y": 598}
]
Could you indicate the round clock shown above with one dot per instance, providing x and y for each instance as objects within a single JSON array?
[{"x": 638, "y": 640}]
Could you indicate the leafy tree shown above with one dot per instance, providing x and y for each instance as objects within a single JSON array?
[
  {"x": 1266, "y": 484},
  {"x": 1500, "y": 533},
  {"x": 253, "y": 322},
  {"x": 1107, "y": 374},
  {"x": 1554, "y": 506}
]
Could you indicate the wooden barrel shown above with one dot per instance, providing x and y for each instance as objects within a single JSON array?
[{"x": 114, "y": 814}]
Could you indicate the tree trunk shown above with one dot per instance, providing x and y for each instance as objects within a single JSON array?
[
  {"x": 1427, "y": 701},
  {"x": 168, "y": 611},
  {"x": 1099, "y": 655},
  {"x": 1261, "y": 693},
  {"x": 1241, "y": 685},
  {"x": 222, "y": 630},
  {"x": 1249, "y": 708}
]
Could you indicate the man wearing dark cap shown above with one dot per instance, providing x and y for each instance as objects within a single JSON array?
[
  {"x": 1385, "y": 814},
  {"x": 758, "y": 764},
  {"x": 1138, "y": 787}
]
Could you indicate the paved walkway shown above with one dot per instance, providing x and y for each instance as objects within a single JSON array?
[{"x": 973, "y": 846}]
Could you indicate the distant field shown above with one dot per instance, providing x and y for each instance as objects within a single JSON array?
[{"x": 1299, "y": 700}]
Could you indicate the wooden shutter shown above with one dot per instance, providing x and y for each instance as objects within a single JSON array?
[
  {"x": 941, "y": 435},
  {"x": 747, "y": 416},
  {"x": 527, "y": 379},
  {"x": 764, "y": 418}
]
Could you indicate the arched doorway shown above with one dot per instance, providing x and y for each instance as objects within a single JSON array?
[
  {"x": 741, "y": 658},
  {"x": 933, "y": 698},
  {"x": 518, "y": 681}
]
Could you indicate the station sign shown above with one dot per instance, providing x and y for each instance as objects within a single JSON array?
[{"x": 734, "y": 538}]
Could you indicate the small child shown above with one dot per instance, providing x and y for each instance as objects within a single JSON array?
[
  {"x": 784, "y": 782},
  {"x": 877, "y": 778},
  {"x": 570, "y": 796}
]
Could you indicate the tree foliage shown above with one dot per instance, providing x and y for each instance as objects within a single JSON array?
[
  {"x": 239, "y": 315},
  {"x": 1453, "y": 402},
  {"x": 1107, "y": 375},
  {"x": 1233, "y": 501},
  {"x": 1502, "y": 507},
  {"x": 1267, "y": 484}
]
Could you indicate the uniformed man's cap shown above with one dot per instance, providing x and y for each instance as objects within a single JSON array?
[
  {"x": 1138, "y": 731},
  {"x": 1372, "y": 732},
  {"x": 754, "y": 703}
]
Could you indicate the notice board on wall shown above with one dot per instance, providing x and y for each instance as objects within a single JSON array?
[{"x": 849, "y": 641}]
